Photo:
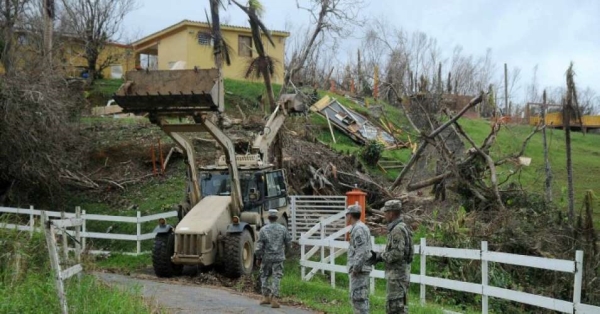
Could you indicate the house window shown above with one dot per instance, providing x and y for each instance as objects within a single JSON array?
[
  {"x": 204, "y": 39},
  {"x": 245, "y": 46}
]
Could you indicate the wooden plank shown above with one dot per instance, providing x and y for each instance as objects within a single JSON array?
[
  {"x": 109, "y": 236},
  {"x": 452, "y": 284},
  {"x": 110, "y": 218},
  {"x": 528, "y": 298},
  {"x": 158, "y": 216},
  {"x": 530, "y": 261},
  {"x": 66, "y": 223},
  {"x": 453, "y": 253},
  {"x": 54, "y": 262},
  {"x": 587, "y": 309},
  {"x": 69, "y": 272}
]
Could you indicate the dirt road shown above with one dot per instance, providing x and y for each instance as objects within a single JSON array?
[{"x": 185, "y": 299}]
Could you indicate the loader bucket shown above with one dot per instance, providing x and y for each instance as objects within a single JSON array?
[{"x": 172, "y": 92}]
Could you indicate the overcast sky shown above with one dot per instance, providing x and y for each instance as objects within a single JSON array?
[{"x": 522, "y": 33}]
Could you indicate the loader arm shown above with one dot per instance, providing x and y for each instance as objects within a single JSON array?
[{"x": 264, "y": 139}]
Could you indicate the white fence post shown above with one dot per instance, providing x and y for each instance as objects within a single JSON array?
[
  {"x": 139, "y": 233},
  {"x": 578, "y": 280},
  {"x": 302, "y": 259},
  {"x": 484, "y": 278},
  {"x": 372, "y": 285},
  {"x": 83, "y": 230},
  {"x": 65, "y": 243},
  {"x": 423, "y": 268},
  {"x": 332, "y": 262},
  {"x": 78, "y": 239},
  {"x": 322, "y": 246},
  {"x": 54, "y": 261},
  {"x": 31, "y": 221},
  {"x": 293, "y": 212}
]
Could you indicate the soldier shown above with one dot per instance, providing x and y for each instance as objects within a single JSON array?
[
  {"x": 359, "y": 252},
  {"x": 273, "y": 241},
  {"x": 398, "y": 256}
]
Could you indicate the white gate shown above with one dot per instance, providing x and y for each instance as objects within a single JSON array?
[{"x": 307, "y": 211}]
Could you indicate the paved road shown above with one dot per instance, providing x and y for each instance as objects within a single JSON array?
[{"x": 185, "y": 299}]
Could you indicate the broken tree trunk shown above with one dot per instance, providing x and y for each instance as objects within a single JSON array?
[
  {"x": 548, "y": 182},
  {"x": 433, "y": 134}
]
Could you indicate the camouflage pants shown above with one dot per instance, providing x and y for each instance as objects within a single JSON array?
[
  {"x": 397, "y": 296},
  {"x": 359, "y": 292},
  {"x": 273, "y": 271}
]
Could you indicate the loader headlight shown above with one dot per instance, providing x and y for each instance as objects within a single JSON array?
[{"x": 236, "y": 220}]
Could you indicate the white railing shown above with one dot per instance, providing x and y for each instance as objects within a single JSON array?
[
  {"x": 339, "y": 247},
  {"x": 306, "y": 211},
  {"x": 138, "y": 220}
]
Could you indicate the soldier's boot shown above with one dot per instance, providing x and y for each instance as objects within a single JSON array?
[
  {"x": 265, "y": 300},
  {"x": 274, "y": 303}
]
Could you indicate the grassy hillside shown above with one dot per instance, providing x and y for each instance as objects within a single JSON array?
[{"x": 586, "y": 159}]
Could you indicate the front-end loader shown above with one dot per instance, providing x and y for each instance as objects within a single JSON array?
[{"x": 227, "y": 202}]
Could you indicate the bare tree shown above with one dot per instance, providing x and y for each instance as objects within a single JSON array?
[
  {"x": 570, "y": 110},
  {"x": 96, "y": 22},
  {"x": 12, "y": 15},
  {"x": 329, "y": 17},
  {"x": 548, "y": 182}
]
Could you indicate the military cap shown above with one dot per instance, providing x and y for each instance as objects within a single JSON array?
[
  {"x": 273, "y": 212},
  {"x": 392, "y": 205},
  {"x": 354, "y": 209}
]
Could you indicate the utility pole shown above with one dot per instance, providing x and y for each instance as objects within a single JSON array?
[{"x": 506, "y": 109}]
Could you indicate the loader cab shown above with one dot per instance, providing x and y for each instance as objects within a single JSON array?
[{"x": 260, "y": 188}]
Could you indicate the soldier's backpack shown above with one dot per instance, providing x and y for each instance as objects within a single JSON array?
[{"x": 408, "y": 248}]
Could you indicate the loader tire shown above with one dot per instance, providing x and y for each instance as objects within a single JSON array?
[
  {"x": 238, "y": 255},
  {"x": 164, "y": 247}
]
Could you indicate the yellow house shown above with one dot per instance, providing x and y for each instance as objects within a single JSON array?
[
  {"x": 188, "y": 44},
  {"x": 114, "y": 60}
]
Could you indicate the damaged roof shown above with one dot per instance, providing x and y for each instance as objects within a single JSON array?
[{"x": 353, "y": 124}]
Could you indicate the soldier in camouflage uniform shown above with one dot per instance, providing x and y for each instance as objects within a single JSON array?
[
  {"x": 273, "y": 241},
  {"x": 359, "y": 253},
  {"x": 398, "y": 256}
]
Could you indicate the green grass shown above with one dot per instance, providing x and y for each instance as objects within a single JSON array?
[
  {"x": 585, "y": 152},
  {"x": 106, "y": 87},
  {"x": 124, "y": 263},
  {"x": 27, "y": 286}
]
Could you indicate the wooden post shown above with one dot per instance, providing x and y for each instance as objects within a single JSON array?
[
  {"x": 139, "y": 233},
  {"x": 506, "y": 113},
  {"x": 484, "y": 278},
  {"x": 54, "y": 261},
  {"x": 423, "y": 270},
  {"x": 330, "y": 128},
  {"x": 293, "y": 212},
  {"x": 31, "y": 221},
  {"x": 302, "y": 259},
  {"x": 162, "y": 162},
  {"x": 332, "y": 262},
  {"x": 371, "y": 278},
  {"x": 578, "y": 280},
  {"x": 322, "y": 246},
  {"x": 78, "y": 240},
  {"x": 83, "y": 230},
  {"x": 153, "y": 159},
  {"x": 65, "y": 243}
]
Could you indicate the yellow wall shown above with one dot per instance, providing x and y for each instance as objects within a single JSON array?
[
  {"x": 172, "y": 48},
  {"x": 73, "y": 57},
  {"x": 183, "y": 46}
]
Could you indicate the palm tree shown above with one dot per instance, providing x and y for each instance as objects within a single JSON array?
[{"x": 263, "y": 65}]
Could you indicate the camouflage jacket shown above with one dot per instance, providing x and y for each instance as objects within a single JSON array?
[
  {"x": 398, "y": 252},
  {"x": 273, "y": 240},
  {"x": 359, "y": 251}
]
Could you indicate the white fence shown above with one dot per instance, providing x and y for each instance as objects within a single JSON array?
[
  {"x": 138, "y": 220},
  {"x": 308, "y": 210},
  {"x": 336, "y": 248}
]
